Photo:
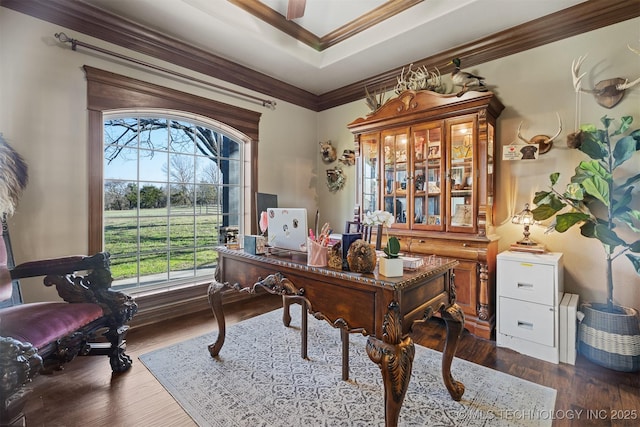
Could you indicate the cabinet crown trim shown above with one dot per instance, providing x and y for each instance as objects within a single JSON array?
[{"x": 417, "y": 102}]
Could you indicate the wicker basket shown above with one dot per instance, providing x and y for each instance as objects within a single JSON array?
[{"x": 608, "y": 339}]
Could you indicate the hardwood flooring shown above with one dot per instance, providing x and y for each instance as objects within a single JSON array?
[{"x": 87, "y": 393}]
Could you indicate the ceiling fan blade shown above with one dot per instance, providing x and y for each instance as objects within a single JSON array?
[{"x": 295, "y": 9}]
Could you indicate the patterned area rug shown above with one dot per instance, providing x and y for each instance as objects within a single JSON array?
[{"x": 259, "y": 379}]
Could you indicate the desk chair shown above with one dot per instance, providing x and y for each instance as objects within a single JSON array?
[
  {"x": 366, "y": 230},
  {"x": 350, "y": 227}
]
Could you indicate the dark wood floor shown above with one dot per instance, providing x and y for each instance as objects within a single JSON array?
[{"x": 86, "y": 393}]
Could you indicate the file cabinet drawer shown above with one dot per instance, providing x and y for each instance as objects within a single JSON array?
[
  {"x": 527, "y": 281},
  {"x": 529, "y": 321}
]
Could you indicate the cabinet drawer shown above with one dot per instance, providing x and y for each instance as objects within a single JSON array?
[
  {"x": 529, "y": 321},
  {"x": 526, "y": 281}
]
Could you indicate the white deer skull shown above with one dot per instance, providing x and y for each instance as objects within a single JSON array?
[
  {"x": 544, "y": 141},
  {"x": 608, "y": 93}
]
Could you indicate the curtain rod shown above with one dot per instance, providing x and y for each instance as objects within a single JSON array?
[{"x": 62, "y": 37}]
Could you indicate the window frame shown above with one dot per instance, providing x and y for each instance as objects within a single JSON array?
[{"x": 108, "y": 91}]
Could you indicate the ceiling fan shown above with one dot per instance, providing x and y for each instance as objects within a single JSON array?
[{"x": 295, "y": 9}]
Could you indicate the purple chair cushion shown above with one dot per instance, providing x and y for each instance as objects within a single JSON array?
[{"x": 43, "y": 322}]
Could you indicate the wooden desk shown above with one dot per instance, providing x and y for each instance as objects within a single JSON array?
[{"x": 383, "y": 308}]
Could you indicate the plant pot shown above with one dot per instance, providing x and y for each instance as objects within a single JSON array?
[
  {"x": 608, "y": 339},
  {"x": 390, "y": 267}
]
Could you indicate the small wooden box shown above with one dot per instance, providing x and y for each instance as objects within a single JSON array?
[{"x": 254, "y": 244}]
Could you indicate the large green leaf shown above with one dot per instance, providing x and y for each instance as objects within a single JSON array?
[
  {"x": 622, "y": 204},
  {"x": 625, "y": 123},
  {"x": 540, "y": 196},
  {"x": 606, "y": 121},
  {"x": 608, "y": 236},
  {"x": 592, "y": 145},
  {"x": 635, "y": 246},
  {"x": 567, "y": 220},
  {"x": 625, "y": 148},
  {"x": 635, "y": 260},
  {"x": 630, "y": 181},
  {"x": 574, "y": 191},
  {"x": 630, "y": 217},
  {"x": 588, "y": 127},
  {"x": 598, "y": 188},
  {"x": 594, "y": 168},
  {"x": 588, "y": 229},
  {"x": 544, "y": 211},
  {"x": 635, "y": 134}
]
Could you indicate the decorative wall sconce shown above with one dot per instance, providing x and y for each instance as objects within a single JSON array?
[{"x": 525, "y": 218}]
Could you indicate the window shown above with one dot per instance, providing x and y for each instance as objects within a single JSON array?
[
  {"x": 172, "y": 191},
  {"x": 188, "y": 163}
]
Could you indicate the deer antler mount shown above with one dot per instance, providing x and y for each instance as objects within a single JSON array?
[
  {"x": 544, "y": 141},
  {"x": 608, "y": 93}
]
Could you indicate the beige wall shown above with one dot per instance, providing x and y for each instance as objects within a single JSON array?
[
  {"x": 533, "y": 85},
  {"x": 43, "y": 115}
]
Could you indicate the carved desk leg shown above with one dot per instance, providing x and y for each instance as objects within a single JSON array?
[
  {"x": 454, "y": 319},
  {"x": 287, "y": 300},
  {"x": 275, "y": 284},
  {"x": 286, "y": 315},
  {"x": 394, "y": 356},
  {"x": 215, "y": 301}
]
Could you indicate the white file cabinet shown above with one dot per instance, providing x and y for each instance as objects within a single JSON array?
[{"x": 529, "y": 290}]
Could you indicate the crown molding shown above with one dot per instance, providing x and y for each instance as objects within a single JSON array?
[
  {"x": 368, "y": 20},
  {"x": 95, "y": 22}
]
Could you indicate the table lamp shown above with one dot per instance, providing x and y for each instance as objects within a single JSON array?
[{"x": 525, "y": 217}]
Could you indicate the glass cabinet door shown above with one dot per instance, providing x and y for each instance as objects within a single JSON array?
[
  {"x": 428, "y": 177},
  {"x": 369, "y": 173},
  {"x": 461, "y": 175},
  {"x": 395, "y": 179}
]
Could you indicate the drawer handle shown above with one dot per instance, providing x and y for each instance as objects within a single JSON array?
[
  {"x": 525, "y": 325},
  {"x": 525, "y": 285}
]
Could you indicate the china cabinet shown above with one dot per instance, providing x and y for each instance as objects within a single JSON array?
[{"x": 429, "y": 160}]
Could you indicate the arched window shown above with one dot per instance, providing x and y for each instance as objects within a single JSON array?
[{"x": 170, "y": 178}]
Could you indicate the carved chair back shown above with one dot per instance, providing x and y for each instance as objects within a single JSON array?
[
  {"x": 367, "y": 231},
  {"x": 9, "y": 289}
]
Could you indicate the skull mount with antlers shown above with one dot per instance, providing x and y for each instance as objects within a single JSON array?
[
  {"x": 608, "y": 93},
  {"x": 544, "y": 141}
]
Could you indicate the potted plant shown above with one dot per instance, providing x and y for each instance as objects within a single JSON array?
[
  {"x": 600, "y": 200},
  {"x": 391, "y": 264}
]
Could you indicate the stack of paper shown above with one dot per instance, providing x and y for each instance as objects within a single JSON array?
[
  {"x": 411, "y": 263},
  {"x": 568, "y": 319}
]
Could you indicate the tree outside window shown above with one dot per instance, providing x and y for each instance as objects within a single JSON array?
[{"x": 171, "y": 187}]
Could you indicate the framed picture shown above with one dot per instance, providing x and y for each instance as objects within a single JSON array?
[
  {"x": 457, "y": 175},
  {"x": 434, "y": 151}
]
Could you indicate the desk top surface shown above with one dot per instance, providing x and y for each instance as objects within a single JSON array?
[{"x": 433, "y": 266}]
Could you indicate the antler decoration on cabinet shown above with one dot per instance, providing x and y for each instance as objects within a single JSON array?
[
  {"x": 544, "y": 141},
  {"x": 608, "y": 93}
]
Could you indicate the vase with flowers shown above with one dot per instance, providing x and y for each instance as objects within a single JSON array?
[{"x": 390, "y": 265}]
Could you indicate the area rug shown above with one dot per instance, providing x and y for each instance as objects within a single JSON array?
[{"x": 259, "y": 379}]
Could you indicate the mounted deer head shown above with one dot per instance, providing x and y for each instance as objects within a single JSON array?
[
  {"x": 608, "y": 93},
  {"x": 544, "y": 141}
]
